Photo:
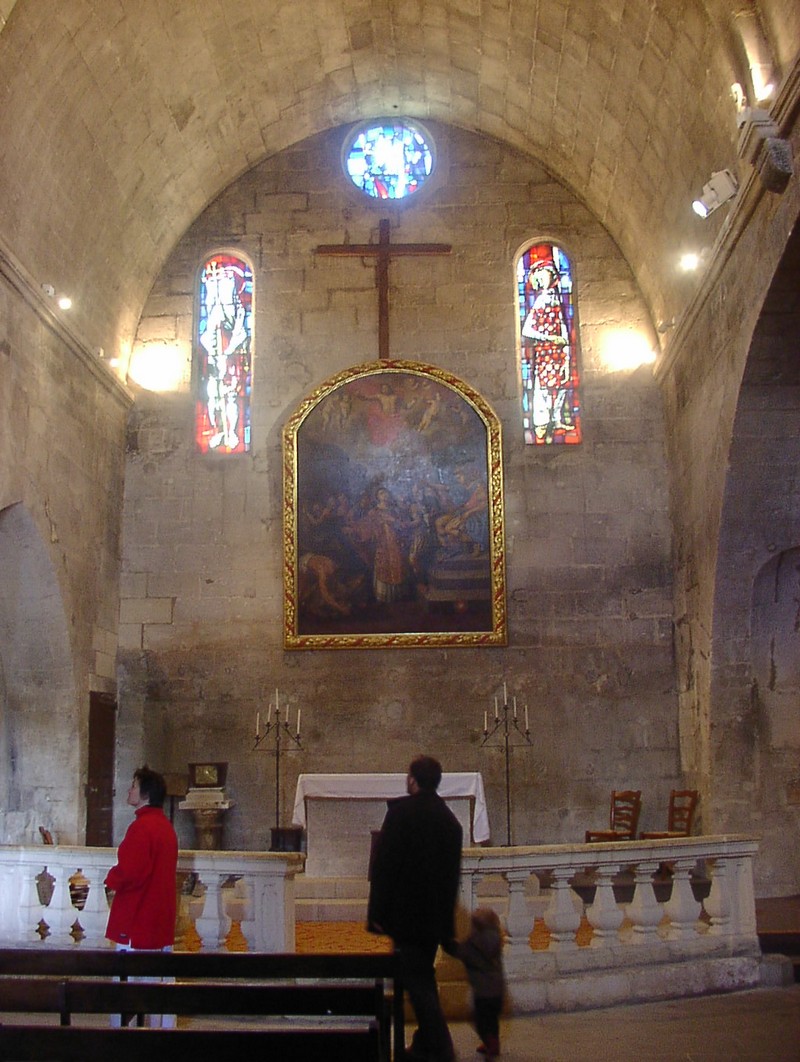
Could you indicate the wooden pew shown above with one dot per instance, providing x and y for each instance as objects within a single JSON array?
[
  {"x": 343, "y": 996},
  {"x": 44, "y": 1043}
]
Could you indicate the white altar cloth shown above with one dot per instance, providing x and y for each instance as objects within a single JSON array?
[{"x": 384, "y": 787}]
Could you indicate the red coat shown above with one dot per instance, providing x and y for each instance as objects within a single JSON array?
[{"x": 143, "y": 909}]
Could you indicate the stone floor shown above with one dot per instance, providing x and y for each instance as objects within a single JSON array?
[{"x": 758, "y": 1026}]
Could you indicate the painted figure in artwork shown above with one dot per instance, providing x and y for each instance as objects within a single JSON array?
[
  {"x": 549, "y": 366},
  {"x": 225, "y": 343}
]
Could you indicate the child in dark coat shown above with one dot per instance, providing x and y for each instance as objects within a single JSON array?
[{"x": 482, "y": 954}]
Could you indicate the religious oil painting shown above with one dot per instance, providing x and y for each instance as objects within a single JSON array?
[{"x": 393, "y": 513}]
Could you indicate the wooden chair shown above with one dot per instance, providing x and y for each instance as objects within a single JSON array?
[
  {"x": 682, "y": 806},
  {"x": 623, "y": 817}
]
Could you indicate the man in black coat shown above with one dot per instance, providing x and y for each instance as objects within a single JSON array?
[{"x": 415, "y": 873}]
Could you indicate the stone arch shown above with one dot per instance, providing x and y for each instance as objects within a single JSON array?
[
  {"x": 754, "y": 714},
  {"x": 38, "y": 745},
  {"x": 776, "y": 650}
]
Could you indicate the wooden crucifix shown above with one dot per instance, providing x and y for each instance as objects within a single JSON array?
[{"x": 382, "y": 252}]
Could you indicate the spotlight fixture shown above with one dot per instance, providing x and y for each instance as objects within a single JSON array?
[
  {"x": 64, "y": 301},
  {"x": 721, "y": 187}
]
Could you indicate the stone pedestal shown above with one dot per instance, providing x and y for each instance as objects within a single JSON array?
[{"x": 207, "y": 808}]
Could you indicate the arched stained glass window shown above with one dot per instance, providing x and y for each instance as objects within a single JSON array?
[
  {"x": 389, "y": 159},
  {"x": 223, "y": 356},
  {"x": 551, "y": 412}
]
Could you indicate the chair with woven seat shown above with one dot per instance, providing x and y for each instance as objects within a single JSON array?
[
  {"x": 623, "y": 817},
  {"x": 682, "y": 806}
]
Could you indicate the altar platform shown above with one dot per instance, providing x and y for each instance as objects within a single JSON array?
[{"x": 340, "y": 812}]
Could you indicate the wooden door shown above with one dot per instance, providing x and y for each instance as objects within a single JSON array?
[{"x": 100, "y": 782}]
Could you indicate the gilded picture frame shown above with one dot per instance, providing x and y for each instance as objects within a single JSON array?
[{"x": 393, "y": 513}]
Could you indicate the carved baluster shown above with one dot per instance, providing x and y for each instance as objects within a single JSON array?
[
  {"x": 717, "y": 903},
  {"x": 644, "y": 911},
  {"x": 682, "y": 909},
  {"x": 563, "y": 914},
  {"x": 35, "y": 889},
  {"x": 243, "y": 912},
  {"x": 468, "y": 890},
  {"x": 210, "y": 922},
  {"x": 518, "y": 922},
  {"x": 93, "y": 916},
  {"x": 604, "y": 915},
  {"x": 60, "y": 914}
]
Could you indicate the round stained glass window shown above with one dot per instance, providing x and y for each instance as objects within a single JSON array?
[{"x": 389, "y": 159}]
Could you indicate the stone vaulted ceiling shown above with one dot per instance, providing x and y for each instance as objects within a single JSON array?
[{"x": 120, "y": 121}]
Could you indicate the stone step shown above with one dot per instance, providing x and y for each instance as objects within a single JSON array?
[
  {"x": 331, "y": 911},
  {"x": 306, "y": 888}
]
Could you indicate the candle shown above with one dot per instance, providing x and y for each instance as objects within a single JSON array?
[
  {"x": 485, "y": 722},
  {"x": 505, "y": 695},
  {"x": 277, "y": 706},
  {"x": 258, "y": 722},
  {"x": 269, "y": 713},
  {"x": 298, "y": 722},
  {"x": 515, "y": 707},
  {"x": 287, "y": 713},
  {"x": 495, "y": 707},
  {"x": 527, "y": 728}
]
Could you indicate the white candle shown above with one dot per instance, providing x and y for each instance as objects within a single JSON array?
[
  {"x": 515, "y": 707},
  {"x": 269, "y": 714},
  {"x": 495, "y": 707},
  {"x": 258, "y": 722},
  {"x": 277, "y": 706},
  {"x": 485, "y": 722},
  {"x": 298, "y": 722},
  {"x": 505, "y": 695},
  {"x": 526, "y": 718}
]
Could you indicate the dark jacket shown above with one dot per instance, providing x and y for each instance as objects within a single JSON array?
[
  {"x": 415, "y": 871},
  {"x": 482, "y": 954}
]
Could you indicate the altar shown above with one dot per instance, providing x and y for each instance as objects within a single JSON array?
[{"x": 340, "y": 811}]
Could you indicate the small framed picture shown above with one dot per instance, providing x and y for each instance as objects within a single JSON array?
[{"x": 207, "y": 775}]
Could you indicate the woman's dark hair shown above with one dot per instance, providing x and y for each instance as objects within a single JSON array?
[{"x": 151, "y": 785}]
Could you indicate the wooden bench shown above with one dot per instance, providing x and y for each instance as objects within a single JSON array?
[{"x": 325, "y": 1006}]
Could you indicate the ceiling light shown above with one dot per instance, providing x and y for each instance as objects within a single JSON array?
[
  {"x": 721, "y": 187},
  {"x": 64, "y": 302},
  {"x": 689, "y": 262}
]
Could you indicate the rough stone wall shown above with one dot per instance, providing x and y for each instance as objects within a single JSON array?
[
  {"x": 720, "y": 474},
  {"x": 588, "y": 539},
  {"x": 62, "y": 434},
  {"x": 756, "y": 633}
]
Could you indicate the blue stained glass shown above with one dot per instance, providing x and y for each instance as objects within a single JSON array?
[{"x": 389, "y": 160}]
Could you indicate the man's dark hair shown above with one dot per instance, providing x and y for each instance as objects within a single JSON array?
[
  {"x": 151, "y": 785},
  {"x": 426, "y": 772}
]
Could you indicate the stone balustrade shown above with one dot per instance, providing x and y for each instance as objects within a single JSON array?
[
  {"x": 587, "y": 925},
  {"x": 55, "y": 895},
  {"x": 620, "y": 921}
]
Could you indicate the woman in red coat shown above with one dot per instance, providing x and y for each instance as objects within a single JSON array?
[{"x": 143, "y": 882}]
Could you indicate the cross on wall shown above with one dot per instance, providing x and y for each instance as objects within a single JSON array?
[{"x": 382, "y": 251}]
